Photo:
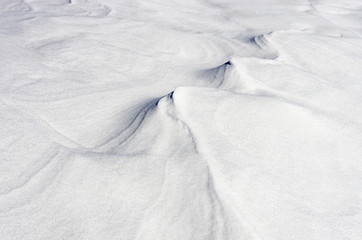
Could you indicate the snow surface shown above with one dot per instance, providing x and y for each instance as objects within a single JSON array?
[{"x": 194, "y": 119}]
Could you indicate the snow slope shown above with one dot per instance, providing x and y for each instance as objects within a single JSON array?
[{"x": 195, "y": 119}]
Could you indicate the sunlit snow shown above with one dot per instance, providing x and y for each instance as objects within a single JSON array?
[{"x": 181, "y": 120}]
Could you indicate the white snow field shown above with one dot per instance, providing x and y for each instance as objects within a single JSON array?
[{"x": 180, "y": 120}]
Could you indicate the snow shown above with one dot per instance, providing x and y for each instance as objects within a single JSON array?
[{"x": 195, "y": 119}]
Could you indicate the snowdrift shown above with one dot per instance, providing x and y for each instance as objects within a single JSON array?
[{"x": 180, "y": 119}]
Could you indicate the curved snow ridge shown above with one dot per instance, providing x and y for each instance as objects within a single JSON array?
[
  {"x": 236, "y": 79},
  {"x": 155, "y": 119},
  {"x": 216, "y": 75},
  {"x": 263, "y": 43},
  {"x": 158, "y": 110},
  {"x": 128, "y": 131}
]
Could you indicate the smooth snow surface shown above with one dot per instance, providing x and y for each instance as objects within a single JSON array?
[{"x": 178, "y": 120}]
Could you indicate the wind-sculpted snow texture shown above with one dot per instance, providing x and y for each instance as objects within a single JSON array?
[{"x": 170, "y": 120}]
